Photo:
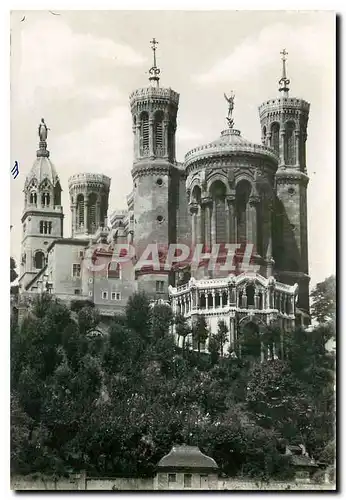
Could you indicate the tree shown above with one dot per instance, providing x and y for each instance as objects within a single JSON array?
[
  {"x": 161, "y": 320},
  {"x": 13, "y": 273},
  {"x": 200, "y": 332},
  {"x": 138, "y": 314},
  {"x": 323, "y": 296},
  {"x": 221, "y": 335},
  {"x": 182, "y": 328}
]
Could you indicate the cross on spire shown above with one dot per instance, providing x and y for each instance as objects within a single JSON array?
[
  {"x": 154, "y": 70},
  {"x": 284, "y": 81}
]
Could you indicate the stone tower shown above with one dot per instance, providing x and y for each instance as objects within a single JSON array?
[
  {"x": 155, "y": 178},
  {"x": 89, "y": 203},
  {"x": 43, "y": 214},
  {"x": 284, "y": 127}
]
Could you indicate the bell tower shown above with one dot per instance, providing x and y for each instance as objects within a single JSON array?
[
  {"x": 284, "y": 128},
  {"x": 155, "y": 179},
  {"x": 42, "y": 218}
]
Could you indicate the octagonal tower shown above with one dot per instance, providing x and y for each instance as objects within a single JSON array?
[
  {"x": 89, "y": 203},
  {"x": 155, "y": 175},
  {"x": 284, "y": 127}
]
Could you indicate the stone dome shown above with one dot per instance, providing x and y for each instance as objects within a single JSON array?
[
  {"x": 230, "y": 143},
  {"x": 187, "y": 457},
  {"x": 42, "y": 169}
]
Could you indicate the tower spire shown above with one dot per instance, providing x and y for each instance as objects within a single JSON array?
[
  {"x": 284, "y": 81},
  {"x": 154, "y": 70}
]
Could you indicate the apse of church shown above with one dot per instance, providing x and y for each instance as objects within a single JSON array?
[{"x": 230, "y": 188}]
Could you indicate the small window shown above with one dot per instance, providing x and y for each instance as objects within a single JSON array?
[
  {"x": 76, "y": 270},
  {"x": 90, "y": 280},
  {"x": 172, "y": 478},
  {"x": 118, "y": 296},
  {"x": 159, "y": 218},
  {"x": 187, "y": 480},
  {"x": 90, "y": 294},
  {"x": 160, "y": 286},
  {"x": 24, "y": 228},
  {"x": 159, "y": 182},
  {"x": 81, "y": 253},
  {"x": 77, "y": 291},
  {"x": 104, "y": 295}
]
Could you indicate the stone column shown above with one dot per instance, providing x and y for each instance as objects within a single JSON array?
[
  {"x": 193, "y": 211},
  {"x": 297, "y": 147},
  {"x": 137, "y": 141},
  {"x": 151, "y": 137},
  {"x": 231, "y": 225},
  {"x": 206, "y": 295},
  {"x": 213, "y": 293},
  {"x": 85, "y": 214},
  {"x": 73, "y": 217},
  {"x": 282, "y": 148},
  {"x": 213, "y": 223},
  {"x": 98, "y": 220},
  {"x": 256, "y": 299},
  {"x": 231, "y": 332},
  {"x": 268, "y": 138},
  {"x": 206, "y": 203},
  {"x": 165, "y": 137},
  {"x": 252, "y": 221}
]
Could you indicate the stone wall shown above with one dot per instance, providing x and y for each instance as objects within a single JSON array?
[{"x": 81, "y": 482}]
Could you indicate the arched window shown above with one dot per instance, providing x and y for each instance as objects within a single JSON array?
[
  {"x": 218, "y": 194},
  {"x": 45, "y": 199},
  {"x": 33, "y": 198},
  {"x": 158, "y": 133},
  {"x": 113, "y": 270},
  {"x": 57, "y": 194},
  {"x": 39, "y": 260},
  {"x": 92, "y": 223},
  {"x": 290, "y": 150},
  {"x": 250, "y": 295},
  {"x": 202, "y": 301},
  {"x": 243, "y": 190},
  {"x": 144, "y": 133},
  {"x": 275, "y": 137},
  {"x": 264, "y": 135},
  {"x": 103, "y": 208},
  {"x": 171, "y": 138},
  {"x": 80, "y": 210}
]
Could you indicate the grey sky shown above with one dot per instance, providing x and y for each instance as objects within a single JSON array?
[{"x": 77, "y": 70}]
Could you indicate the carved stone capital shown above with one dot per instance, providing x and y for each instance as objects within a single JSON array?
[
  {"x": 254, "y": 201},
  {"x": 230, "y": 199},
  {"x": 193, "y": 207},
  {"x": 206, "y": 201}
]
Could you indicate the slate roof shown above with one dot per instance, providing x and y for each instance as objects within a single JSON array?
[{"x": 187, "y": 457}]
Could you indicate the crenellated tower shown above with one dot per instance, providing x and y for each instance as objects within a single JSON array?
[
  {"x": 43, "y": 216},
  {"x": 89, "y": 203},
  {"x": 155, "y": 179},
  {"x": 284, "y": 128}
]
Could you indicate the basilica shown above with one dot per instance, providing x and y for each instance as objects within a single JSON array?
[{"x": 228, "y": 192}]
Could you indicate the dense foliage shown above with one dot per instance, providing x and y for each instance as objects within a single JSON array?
[{"x": 115, "y": 404}]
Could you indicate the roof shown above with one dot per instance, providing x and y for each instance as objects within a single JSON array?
[
  {"x": 42, "y": 169},
  {"x": 230, "y": 142},
  {"x": 187, "y": 457}
]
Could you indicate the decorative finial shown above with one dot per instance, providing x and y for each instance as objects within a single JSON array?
[
  {"x": 230, "y": 101},
  {"x": 154, "y": 71},
  {"x": 42, "y": 133},
  {"x": 284, "y": 81}
]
